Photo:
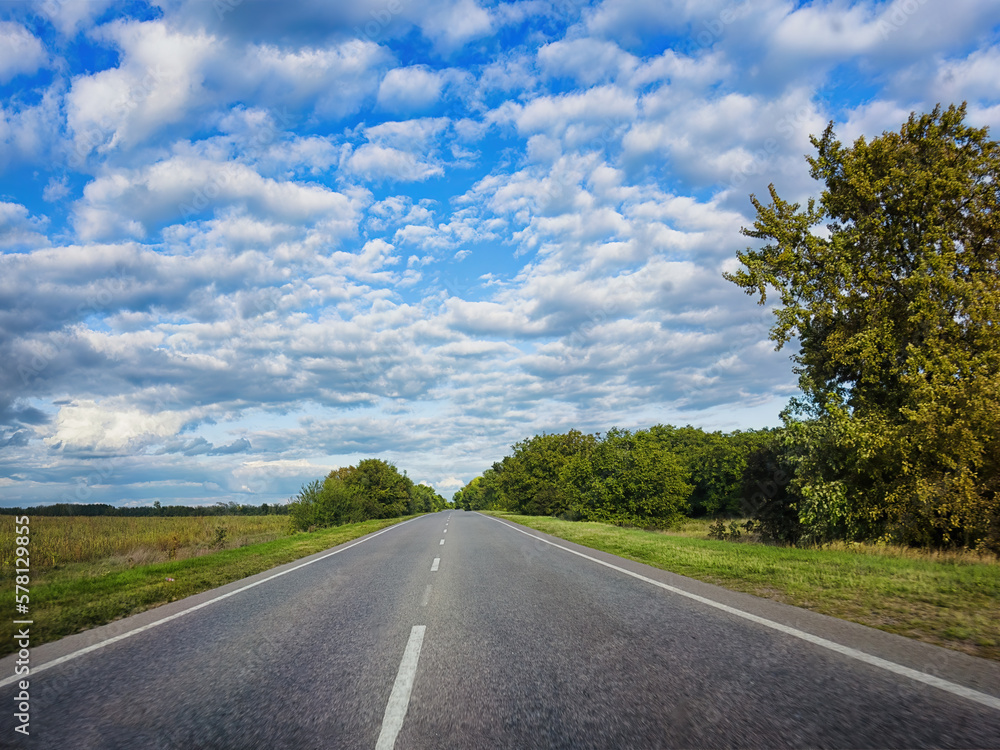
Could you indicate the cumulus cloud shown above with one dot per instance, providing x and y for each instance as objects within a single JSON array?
[
  {"x": 71, "y": 16},
  {"x": 448, "y": 25},
  {"x": 21, "y": 52},
  {"x": 30, "y": 132},
  {"x": 453, "y": 23},
  {"x": 172, "y": 78},
  {"x": 88, "y": 425},
  {"x": 131, "y": 202},
  {"x": 158, "y": 84},
  {"x": 586, "y": 60},
  {"x": 410, "y": 89},
  {"x": 18, "y": 228},
  {"x": 404, "y": 151},
  {"x": 375, "y": 162}
]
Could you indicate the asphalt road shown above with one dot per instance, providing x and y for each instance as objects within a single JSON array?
[{"x": 512, "y": 642}]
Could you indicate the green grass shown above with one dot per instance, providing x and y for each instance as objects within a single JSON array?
[
  {"x": 948, "y": 599},
  {"x": 70, "y": 598}
]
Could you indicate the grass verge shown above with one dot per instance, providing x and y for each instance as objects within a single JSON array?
[
  {"x": 80, "y": 596},
  {"x": 948, "y": 602}
]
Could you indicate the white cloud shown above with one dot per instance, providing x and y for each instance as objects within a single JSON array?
[
  {"x": 397, "y": 210},
  {"x": 132, "y": 202},
  {"x": 408, "y": 134},
  {"x": 55, "y": 190},
  {"x": 159, "y": 81},
  {"x": 737, "y": 141},
  {"x": 170, "y": 77},
  {"x": 28, "y": 132},
  {"x": 113, "y": 426},
  {"x": 512, "y": 71},
  {"x": 827, "y": 31},
  {"x": 374, "y": 162},
  {"x": 19, "y": 229},
  {"x": 587, "y": 60},
  {"x": 453, "y": 23},
  {"x": 71, "y": 16},
  {"x": 410, "y": 89},
  {"x": 871, "y": 120},
  {"x": 338, "y": 79},
  {"x": 590, "y": 119},
  {"x": 20, "y": 51},
  {"x": 971, "y": 78},
  {"x": 367, "y": 265},
  {"x": 625, "y": 18},
  {"x": 404, "y": 151}
]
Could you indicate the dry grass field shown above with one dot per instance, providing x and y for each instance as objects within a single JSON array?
[{"x": 64, "y": 540}]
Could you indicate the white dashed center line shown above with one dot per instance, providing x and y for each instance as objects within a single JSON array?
[
  {"x": 399, "y": 699},
  {"x": 434, "y": 565}
]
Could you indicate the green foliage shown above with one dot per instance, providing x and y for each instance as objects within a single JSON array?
[
  {"x": 482, "y": 493},
  {"x": 624, "y": 478},
  {"x": 896, "y": 307},
  {"x": 302, "y": 509},
  {"x": 528, "y": 481},
  {"x": 715, "y": 462},
  {"x": 725, "y": 533},
  {"x": 351, "y": 494},
  {"x": 426, "y": 500}
]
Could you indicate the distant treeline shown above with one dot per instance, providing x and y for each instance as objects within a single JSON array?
[
  {"x": 156, "y": 509},
  {"x": 372, "y": 489}
]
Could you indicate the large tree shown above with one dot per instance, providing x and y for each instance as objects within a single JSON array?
[{"x": 896, "y": 307}]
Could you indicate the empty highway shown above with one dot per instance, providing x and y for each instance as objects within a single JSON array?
[{"x": 457, "y": 630}]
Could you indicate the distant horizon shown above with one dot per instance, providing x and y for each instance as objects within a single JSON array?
[
  {"x": 242, "y": 243},
  {"x": 403, "y": 469}
]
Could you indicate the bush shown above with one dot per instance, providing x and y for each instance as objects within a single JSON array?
[
  {"x": 767, "y": 498},
  {"x": 351, "y": 494}
]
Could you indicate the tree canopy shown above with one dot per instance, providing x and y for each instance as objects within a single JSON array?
[
  {"x": 890, "y": 284},
  {"x": 372, "y": 489}
]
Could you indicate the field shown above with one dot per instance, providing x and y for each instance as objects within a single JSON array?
[
  {"x": 123, "y": 542},
  {"x": 951, "y": 599}
]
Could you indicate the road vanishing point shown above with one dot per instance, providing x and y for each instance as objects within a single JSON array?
[{"x": 459, "y": 630}]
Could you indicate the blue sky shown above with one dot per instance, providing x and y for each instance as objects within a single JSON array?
[{"x": 242, "y": 243}]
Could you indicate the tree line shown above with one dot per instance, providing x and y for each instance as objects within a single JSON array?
[
  {"x": 350, "y": 494},
  {"x": 650, "y": 477},
  {"x": 889, "y": 284}
]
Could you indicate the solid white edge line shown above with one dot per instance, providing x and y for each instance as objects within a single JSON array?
[
  {"x": 149, "y": 626},
  {"x": 399, "y": 698},
  {"x": 875, "y": 661},
  {"x": 434, "y": 565}
]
